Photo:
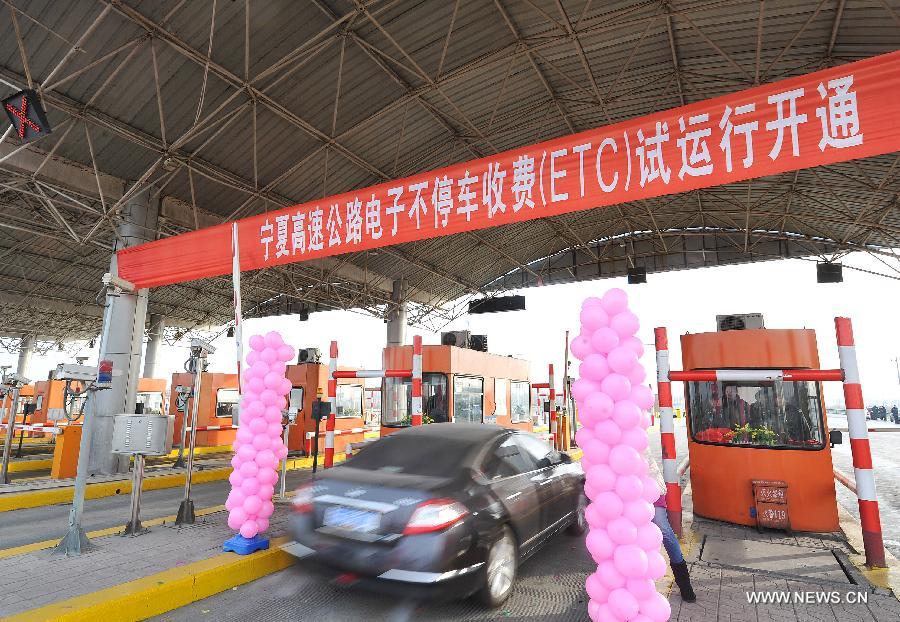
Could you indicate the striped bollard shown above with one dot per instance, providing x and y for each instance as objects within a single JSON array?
[
  {"x": 554, "y": 418},
  {"x": 667, "y": 430},
  {"x": 332, "y": 399},
  {"x": 416, "y": 418},
  {"x": 329, "y": 441},
  {"x": 859, "y": 446}
]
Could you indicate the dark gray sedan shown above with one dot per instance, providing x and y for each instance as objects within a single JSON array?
[{"x": 442, "y": 510}]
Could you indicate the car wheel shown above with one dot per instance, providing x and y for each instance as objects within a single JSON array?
[
  {"x": 579, "y": 525},
  {"x": 502, "y": 566}
]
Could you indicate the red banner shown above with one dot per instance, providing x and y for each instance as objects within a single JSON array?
[{"x": 838, "y": 114}]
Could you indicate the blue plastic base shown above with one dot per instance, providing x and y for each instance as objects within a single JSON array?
[{"x": 244, "y": 546}]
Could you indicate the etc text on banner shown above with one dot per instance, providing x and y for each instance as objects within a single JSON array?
[{"x": 834, "y": 115}]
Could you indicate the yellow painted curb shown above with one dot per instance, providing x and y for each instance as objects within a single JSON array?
[
  {"x": 164, "y": 591},
  {"x": 53, "y": 496},
  {"x": 887, "y": 578},
  {"x": 100, "y": 533},
  {"x": 23, "y": 466}
]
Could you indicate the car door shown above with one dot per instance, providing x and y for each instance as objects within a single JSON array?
[
  {"x": 554, "y": 488},
  {"x": 507, "y": 471}
]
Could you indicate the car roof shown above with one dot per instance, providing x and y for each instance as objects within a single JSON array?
[{"x": 467, "y": 432}]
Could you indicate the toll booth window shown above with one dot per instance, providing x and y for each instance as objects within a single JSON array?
[
  {"x": 501, "y": 404},
  {"x": 40, "y": 402},
  {"x": 349, "y": 400},
  {"x": 227, "y": 403},
  {"x": 768, "y": 415},
  {"x": 295, "y": 400},
  {"x": 519, "y": 402},
  {"x": 396, "y": 402},
  {"x": 149, "y": 403},
  {"x": 468, "y": 399}
]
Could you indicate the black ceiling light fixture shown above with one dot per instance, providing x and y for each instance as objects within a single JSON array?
[
  {"x": 231, "y": 331},
  {"x": 829, "y": 272},
  {"x": 637, "y": 275},
  {"x": 497, "y": 304}
]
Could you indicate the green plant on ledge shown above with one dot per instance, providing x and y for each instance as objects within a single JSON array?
[{"x": 749, "y": 435}]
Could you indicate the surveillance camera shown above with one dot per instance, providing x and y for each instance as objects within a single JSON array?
[
  {"x": 202, "y": 345},
  {"x": 14, "y": 380},
  {"x": 111, "y": 280}
]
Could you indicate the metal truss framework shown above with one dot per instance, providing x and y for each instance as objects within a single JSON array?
[{"x": 223, "y": 119}]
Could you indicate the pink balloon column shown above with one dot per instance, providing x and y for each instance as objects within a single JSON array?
[
  {"x": 613, "y": 407},
  {"x": 258, "y": 446}
]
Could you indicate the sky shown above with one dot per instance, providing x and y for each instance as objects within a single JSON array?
[{"x": 784, "y": 291}]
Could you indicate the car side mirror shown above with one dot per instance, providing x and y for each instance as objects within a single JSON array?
[
  {"x": 544, "y": 462},
  {"x": 835, "y": 437},
  {"x": 565, "y": 458}
]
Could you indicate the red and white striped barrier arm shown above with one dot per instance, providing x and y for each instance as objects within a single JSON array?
[
  {"x": 38, "y": 427},
  {"x": 859, "y": 446},
  {"x": 416, "y": 418},
  {"x": 667, "y": 429},
  {"x": 212, "y": 428},
  {"x": 310, "y": 435},
  {"x": 751, "y": 375},
  {"x": 373, "y": 373}
]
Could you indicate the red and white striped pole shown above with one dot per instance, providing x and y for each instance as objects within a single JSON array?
[
  {"x": 416, "y": 418},
  {"x": 236, "y": 284},
  {"x": 859, "y": 446},
  {"x": 332, "y": 399},
  {"x": 667, "y": 430},
  {"x": 554, "y": 424}
]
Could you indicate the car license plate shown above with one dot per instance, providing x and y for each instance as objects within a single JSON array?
[{"x": 351, "y": 519}]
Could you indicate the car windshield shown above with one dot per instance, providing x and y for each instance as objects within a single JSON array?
[{"x": 414, "y": 455}]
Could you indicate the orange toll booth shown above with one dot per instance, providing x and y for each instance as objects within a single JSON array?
[
  {"x": 26, "y": 398},
  {"x": 218, "y": 407},
  {"x": 310, "y": 380},
  {"x": 458, "y": 384},
  {"x": 746, "y": 424}
]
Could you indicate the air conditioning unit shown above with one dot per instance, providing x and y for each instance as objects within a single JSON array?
[
  {"x": 458, "y": 338},
  {"x": 478, "y": 342},
  {"x": 309, "y": 355},
  {"x": 739, "y": 321}
]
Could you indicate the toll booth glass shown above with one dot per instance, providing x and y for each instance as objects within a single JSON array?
[
  {"x": 519, "y": 402},
  {"x": 396, "y": 400},
  {"x": 349, "y": 400},
  {"x": 227, "y": 404},
  {"x": 295, "y": 400},
  {"x": 151, "y": 402},
  {"x": 766, "y": 415},
  {"x": 468, "y": 399}
]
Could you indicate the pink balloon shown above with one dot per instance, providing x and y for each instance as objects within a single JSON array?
[
  {"x": 608, "y": 574},
  {"x": 262, "y": 524},
  {"x": 645, "y": 420},
  {"x": 642, "y": 396},
  {"x": 601, "y": 613},
  {"x": 638, "y": 512},
  {"x": 257, "y": 342},
  {"x": 596, "y": 451},
  {"x": 282, "y": 452},
  {"x": 259, "y": 369},
  {"x": 236, "y": 462},
  {"x": 597, "y": 407},
  {"x": 261, "y": 442},
  {"x": 621, "y": 531},
  {"x": 582, "y": 388},
  {"x": 250, "y": 486},
  {"x": 594, "y": 518},
  {"x": 608, "y": 432},
  {"x": 254, "y": 385},
  {"x": 581, "y": 347},
  {"x": 593, "y": 317},
  {"x": 601, "y": 478},
  {"x": 273, "y": 430},
  {"x": 235, "y": 478},
  {"x": 269, "y": 355},
  {"x": 285, "y": 353},
  {"x": 637, "y": 375},
  {"x": 636, "y": 437},
  {"x": 629, "y": 487},
  {"x": 246, "y": 452},
  {"x": 624, "y": 460},
  {"x": 584, "y": 434},
  {"x": 614, "y": 300},
  {"x": 237, "y": 496},
  {"x": 622, "y": 604},
  {"x": 640, "y": 588},
  {"x": 591, "y": 301},
  {"x": 281, "y": 402},
  {"x": 272, "y": 414},
  {"x": 656, "y": 565},
  {"x": 249, "y": 529},
  {"x": 604, "y": 340},
  {"x": 274, "y": 340},
  {"x": 285, "y": 387},
  {"x": 229, "y": 503},
  {"x": 273, "y": 380},
  {"x": 610, "y": 505},
  {"x": 252, "y": 357},
  {"x": 657, "y": 608},
  {"x": 631, "y": 561},
  {"x": 594, "y": 367},
  {"x": 591, "y": 492},
  {"x": 252, "y": 504},
  {"x": 625, "y": 324},
  {"x": 236, "y": 520},
  {"x": 621, "y": 359},
  {"x": 626, "y": 414},
  {"x": 651, "y": 489},
  {"x": 258, "y": 425},
  {"x": 649, "y": 537},
  {"x": 266, "y": 491},
  {"x": 267, "y": 476},
  {"x": 635, "y": 345},
  {"x": 267, "y": 509},
  {"x": 249, "y": 469},
  {"x": 595, "y": 588},
  {"x": 614, "y": 385},
  {"x": 266, "y": 459},
  {"x": 243, "y": 434},
  {"x": 599, "y": 545},
  {"x": 254, "y": 409},
  {"x": 268, "y": 397}
]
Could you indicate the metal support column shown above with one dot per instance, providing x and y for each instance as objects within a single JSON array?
[
  {"x": 26, "y": 349},
  {"x": 154, "y": 344},
  {"x": 125, "y": 332},
  {"x": 396, "y": 317}
]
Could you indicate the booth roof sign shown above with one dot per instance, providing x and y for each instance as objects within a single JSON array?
[
  {"x": 26, "y": 115},
  {"x": 834, "y": 115}
]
